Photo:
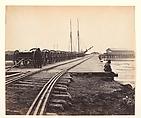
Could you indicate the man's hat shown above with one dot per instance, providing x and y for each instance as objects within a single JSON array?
[{"x": 109, "y": 61}]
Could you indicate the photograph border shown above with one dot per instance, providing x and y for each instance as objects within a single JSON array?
[{"x": 137, "y": 5}]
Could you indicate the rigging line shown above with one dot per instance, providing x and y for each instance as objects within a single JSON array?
[
  {"x": 83, "y": 42},
  {"x": 82, "y": 47},
  {"x": 75, "y": 46}
]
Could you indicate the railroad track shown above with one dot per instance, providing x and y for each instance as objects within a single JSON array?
[
  {"x": 39, "y": 104},
  {"x": 14, "y": 77},
  {"x": 43, "y": 96},
  {"x": 45, "y": 85}
]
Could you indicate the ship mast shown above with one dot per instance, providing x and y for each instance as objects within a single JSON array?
[
  {"x": 70, "y": 36},
  {"x": 78, "y": 36}
]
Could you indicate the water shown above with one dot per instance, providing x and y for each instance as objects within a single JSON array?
[{"x": 125, "y": 70}]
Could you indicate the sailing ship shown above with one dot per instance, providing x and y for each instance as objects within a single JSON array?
[{"x": 79, "y": 53}]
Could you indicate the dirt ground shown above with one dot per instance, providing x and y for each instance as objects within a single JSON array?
[{"x": 98, "y": 96}]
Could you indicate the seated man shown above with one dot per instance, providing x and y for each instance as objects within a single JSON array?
[{"x": 107, "y": 66}]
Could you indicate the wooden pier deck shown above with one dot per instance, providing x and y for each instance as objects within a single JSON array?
[{"x": 91, "y": 65}]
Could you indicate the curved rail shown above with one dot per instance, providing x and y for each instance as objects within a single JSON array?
[
  {"x": 44, "y": 94},
  {"x": 31, "y": 73},
  {"x": 22, "y": 75},
  {"x": 40, "y": 102},
  {"x": 13, "y": 75}
]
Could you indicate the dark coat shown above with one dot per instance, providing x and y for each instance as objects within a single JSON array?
[
  {"x": 107, "y": 67},
  {"x": 38, "y": 57}
]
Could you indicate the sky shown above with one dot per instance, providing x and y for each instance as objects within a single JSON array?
[
  {"x": 48, "y": 27},
  {"x": 101, "y": 27}
]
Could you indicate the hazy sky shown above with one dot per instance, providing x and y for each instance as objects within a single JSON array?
[{"x": 49, "y": 27}]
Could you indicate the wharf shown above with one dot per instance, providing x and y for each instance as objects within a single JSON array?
[{"x": 92, "y": 65}]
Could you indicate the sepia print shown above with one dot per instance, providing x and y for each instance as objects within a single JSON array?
[{"x": 70, "y": 60}]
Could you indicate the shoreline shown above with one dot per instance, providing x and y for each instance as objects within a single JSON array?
[
  {"x": 125, "y": 70},
  {"x": 98, "y": 96}
]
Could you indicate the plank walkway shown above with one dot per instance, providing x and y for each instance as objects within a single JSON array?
[{"x": 91, "y": 65}]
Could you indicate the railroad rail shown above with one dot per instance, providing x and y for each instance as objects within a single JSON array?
[
  {"x": 43, "y": 96},
  {"x": 40, "y": 102},
  {"x": 15, "y": 77},
  {"x": 39, "y": 105},
  {"x": 23, "y": 75}
]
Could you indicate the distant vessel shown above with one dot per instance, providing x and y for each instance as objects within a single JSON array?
[
  {"x": 78, "y": 53},
  {"x": 115, "y": 54}
]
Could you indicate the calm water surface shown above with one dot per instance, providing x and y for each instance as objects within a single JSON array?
[{"x": 125, "y": 70}]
